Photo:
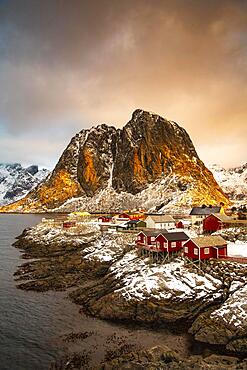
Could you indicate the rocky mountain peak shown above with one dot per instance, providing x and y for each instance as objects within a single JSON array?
[{"x": 148, "y": 150}]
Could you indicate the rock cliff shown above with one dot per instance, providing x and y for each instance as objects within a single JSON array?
[{"x": 151, "y": 161}]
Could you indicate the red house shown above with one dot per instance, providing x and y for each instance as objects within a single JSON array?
[
  {"x": 104, "y": 219},
  {"x": 161, "y": 240},
  {"x": 219, "y": 221},
  {"x": 68, "y": 224},
  {"x": 147, "y": 239},
  {"x": 205, "y": 247},
  {"x": 171, "y": 241},
  {"x": 123, "y": 215}
]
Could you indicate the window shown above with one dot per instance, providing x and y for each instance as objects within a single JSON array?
[
  {"x": 196, "y": 251},
  {"x": 139, "y": 237},
  {"x": 152, "y": 238},
  {"x": 206, "y": 250},
  {"x": 186, "y": 249},
  {"x": 173, "y": 244},
  {"x": 158, "y": 244}
]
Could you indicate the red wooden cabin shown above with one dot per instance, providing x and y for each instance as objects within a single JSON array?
[
  {"x": 68, "y": 224},
  {"x": 205, "y": 247},
  {"x": 171, "y": 241},
  {"x": 147, "y": 239},
  {"x": 216, "y": 222},
  {"x": 219, "y": 221},
  {"x": 161, "y": 240},
  {"x": 104, "y": 219},
  {"x": 123, "y": 216}
]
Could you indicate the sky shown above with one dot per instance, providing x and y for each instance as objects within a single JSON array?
[{"x": 66, "y": 65}]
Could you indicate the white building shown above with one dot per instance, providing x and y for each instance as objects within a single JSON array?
[{"x": 160, "y": 222}]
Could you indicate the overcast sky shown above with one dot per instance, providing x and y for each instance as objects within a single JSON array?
[{"x": 70, "y": 64}]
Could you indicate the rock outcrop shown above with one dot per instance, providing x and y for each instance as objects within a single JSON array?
[
  {"x": 162, "y": 357},
  {"x": 148, "y": 162}
]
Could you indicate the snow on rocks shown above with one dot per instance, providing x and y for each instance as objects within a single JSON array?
[
  {"x": 226, "y": 325},
  {"x": 109, "y": 247},
  {"x": 49, "y": 234},
  {"x": 126, "y": 286},
  {"x": 161, "y": 281}
]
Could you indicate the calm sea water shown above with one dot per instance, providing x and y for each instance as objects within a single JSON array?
[{"x": 31, "y": 324}]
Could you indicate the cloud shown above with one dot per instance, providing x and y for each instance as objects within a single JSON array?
[{"x": 68, "y": 65}]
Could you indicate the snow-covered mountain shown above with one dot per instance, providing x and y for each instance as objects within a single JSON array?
[
  {"x": 233, "y": 181},
  {"x": 16, "y": 181},
  {"x": 150, "y": 163}
]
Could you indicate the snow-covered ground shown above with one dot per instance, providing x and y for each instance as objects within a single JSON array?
[
  {"x": 237, "y": 249},
  {"x": 161, "y": 281}
]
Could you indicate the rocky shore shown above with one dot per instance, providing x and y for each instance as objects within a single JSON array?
[{"x": 111, "y": 281}]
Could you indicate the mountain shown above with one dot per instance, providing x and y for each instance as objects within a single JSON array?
[
  {"x": 233, "y": 181},
  {"x": 151, "y": 162},
  {"x": 16, "y": 181}
]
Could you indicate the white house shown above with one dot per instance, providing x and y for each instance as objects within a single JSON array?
[{"x": 160, "y": 222}]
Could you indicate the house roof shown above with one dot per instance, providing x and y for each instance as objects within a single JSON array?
[
  {"x": 162, "y": 218},
  {"x": 176, "y": 236},
  {"x": 209, "y": 241},
  {"x": 154, "y": 232},
  {"x": 133, "y": 221},
  {"x": 222, "y": 217},
  {"x": 204, "y": 210}
]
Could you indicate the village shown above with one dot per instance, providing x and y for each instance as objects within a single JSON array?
[{"x": 196, "y": 237}]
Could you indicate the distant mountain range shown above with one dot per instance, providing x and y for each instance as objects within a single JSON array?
[
  {"x": 16, "y": 181},
  {"x": 233, "y": 181},
  {"x": 150, "y": 163}
]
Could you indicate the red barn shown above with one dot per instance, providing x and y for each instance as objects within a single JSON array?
[{"x": 205, "y": 247}]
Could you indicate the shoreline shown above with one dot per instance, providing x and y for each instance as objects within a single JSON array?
[{"x": 72, "y": 262}]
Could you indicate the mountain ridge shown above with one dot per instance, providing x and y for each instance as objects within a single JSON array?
[
  {"x": 16, "y": 181},
  {"x": 148, "y": 152},
  {"x": 233, "y": 181}
]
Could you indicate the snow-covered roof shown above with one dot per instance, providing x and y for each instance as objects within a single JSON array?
[
  {"x": 161, "y": 218},
  {"x": 209, "y": 241},
  {"x": 222, "y": 217}
]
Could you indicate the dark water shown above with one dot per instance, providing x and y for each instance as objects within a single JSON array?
[{"x": 31, "y": 324}]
